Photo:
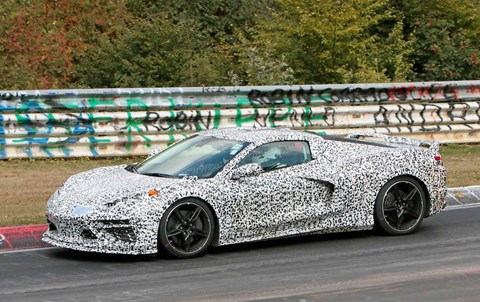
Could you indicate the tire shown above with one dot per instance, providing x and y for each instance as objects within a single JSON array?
[
  {"x": 186, "y": 229},
  {"x": 400, "y": 206}
]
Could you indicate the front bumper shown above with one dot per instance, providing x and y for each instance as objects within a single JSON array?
[{"x": 116, "y": 236}]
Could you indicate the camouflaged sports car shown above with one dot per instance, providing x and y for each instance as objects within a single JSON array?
[{"x": 235, "y": 185}]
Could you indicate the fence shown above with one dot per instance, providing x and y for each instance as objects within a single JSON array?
[{"x": 112, "y": 122}]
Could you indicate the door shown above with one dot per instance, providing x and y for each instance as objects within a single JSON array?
[{"x": 277, "y": 200}]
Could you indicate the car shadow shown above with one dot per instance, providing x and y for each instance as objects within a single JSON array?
[
  {"x": 293, "y": 241},
  {"x": 68, "y": 254}
]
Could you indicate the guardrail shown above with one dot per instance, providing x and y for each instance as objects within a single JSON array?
[{"x": 111, "y": 122}]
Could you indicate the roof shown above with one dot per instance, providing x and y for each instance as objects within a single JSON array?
[{"x": 260, "y": 134}]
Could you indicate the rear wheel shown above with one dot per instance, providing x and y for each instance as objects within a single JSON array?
[
  {"x": 186, "y": 229},
  {"x": 400, "y": 206}
]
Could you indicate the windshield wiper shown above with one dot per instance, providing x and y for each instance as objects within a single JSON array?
[{"x": 158, "y": 175}]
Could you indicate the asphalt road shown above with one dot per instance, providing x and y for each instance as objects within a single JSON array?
[{"x": 441, "y": 262}]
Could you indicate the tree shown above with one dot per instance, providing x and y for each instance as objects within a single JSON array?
[
  {"x": 151, "y": 54},
  {"x": 335, "y": 41},
  {"x": 443, "y": 53},
  {"x": 197, "y": 43},
  {"x": 123, "y": 43},
  {"x": 445, "y": 38},
  {"x": 40, "y": 39},
  {"x": 215, "y": 20}
]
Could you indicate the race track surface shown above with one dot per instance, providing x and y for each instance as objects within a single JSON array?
[{"x": 441, "y": 262}]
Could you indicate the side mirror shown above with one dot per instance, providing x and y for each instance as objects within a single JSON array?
[
  {"x": 154, "y": 152},
  {"x": 132, "y": 167},
  {"x": 246, "y": 171}
]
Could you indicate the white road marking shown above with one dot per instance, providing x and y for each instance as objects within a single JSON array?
[
  {"x": 462, "y": 206},
  {"x": 28, "y": 250}
]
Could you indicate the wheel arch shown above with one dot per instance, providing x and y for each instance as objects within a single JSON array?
[
  {"x": 214, "y": 213},
  {"x": 425, "y": 191},
  {"x": 380, "y": 220},
  {"x": 422, "y": 184}
]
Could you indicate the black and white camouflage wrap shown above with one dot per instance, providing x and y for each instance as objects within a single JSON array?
[{"x": 334, "y": 192}]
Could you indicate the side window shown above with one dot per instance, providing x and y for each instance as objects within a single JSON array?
[{"x": 277, "y": 155}]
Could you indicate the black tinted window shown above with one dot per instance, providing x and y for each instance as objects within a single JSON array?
[{"x": 279, "y": 155}]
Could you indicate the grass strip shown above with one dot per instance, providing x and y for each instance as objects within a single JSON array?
[{"x": 26, "y": 184}]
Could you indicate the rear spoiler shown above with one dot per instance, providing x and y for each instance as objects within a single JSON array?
[{"x": 434, "y": 146}]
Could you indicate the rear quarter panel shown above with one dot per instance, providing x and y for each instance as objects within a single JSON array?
[{"x": 359, "y": 172}]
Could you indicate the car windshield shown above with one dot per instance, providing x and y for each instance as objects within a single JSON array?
[{"x": 200, "y": 156}]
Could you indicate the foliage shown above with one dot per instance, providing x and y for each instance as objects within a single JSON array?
[
  {"x": 335, "y": 41},
  {"x": 48, "y": 44},
  {"x": 444, "y": 37},
  {"x": 40, "y": 39},
  {"x": 254, "y": 63},
  {"x": 216, "y": 20},
  {"x": 444, "y": 54},
  {"x": 149, "y": 54}
]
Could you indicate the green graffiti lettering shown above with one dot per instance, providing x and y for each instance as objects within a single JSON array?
[
  {"x": 132, "y": 102},
  {"x": 309, "y": 116},
  {"x": 274, "y": 117},
  {"x": 241, "y": 119},
  {"x": 243, "y": 101},
  {"x": 98, "y": 102},
  {"x": 218, "y": 116}
]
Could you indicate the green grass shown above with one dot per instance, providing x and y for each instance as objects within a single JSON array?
[
  {"x": 26, "y": 184},
  {"x": 462, "y": 163},
  {"x": 459, "y": 150}
]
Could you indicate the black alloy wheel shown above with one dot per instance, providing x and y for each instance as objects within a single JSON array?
[
  {"x": 400, "y": 206},
  {"x": 186, "y": 229}
]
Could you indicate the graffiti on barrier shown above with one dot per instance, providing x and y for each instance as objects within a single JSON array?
[
  {"x": 79, "y": 125},
  {"x": 353, "y": 94},
  {"x": 427, "y": 113},
  {"x": 168, "y": 121},
  {"x": 60, "y": 123},
  {"x": 175, "y": 98}
]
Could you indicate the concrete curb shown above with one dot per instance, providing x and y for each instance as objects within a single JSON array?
[
  {"x": 30, "y": 236},
  {"x": 22, "y": 237},
  {"x": 463, "y": 195}
]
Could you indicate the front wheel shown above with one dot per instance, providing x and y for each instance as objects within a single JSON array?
[
  {"x": 186, "y": 229},
  {"x": 400, "y": 206}
]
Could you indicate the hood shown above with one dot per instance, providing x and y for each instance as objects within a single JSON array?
[{"x": 103, "y": 185}]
